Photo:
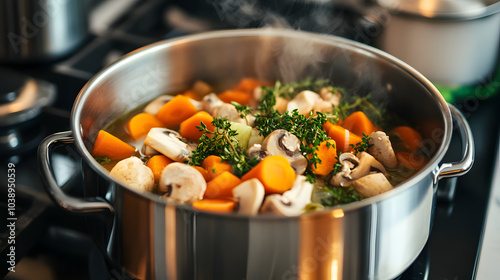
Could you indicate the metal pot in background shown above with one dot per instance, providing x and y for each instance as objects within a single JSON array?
[
  {"x": 376, "y": 238},
  {"x": 41, "y": 30},
  {"x": 452, "y": 43}
]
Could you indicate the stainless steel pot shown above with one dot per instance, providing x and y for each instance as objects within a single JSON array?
[
  {"x": 453, "y": 43},
  {"x": 41, "y": 30},
  {"x": 376, "y": 238}
]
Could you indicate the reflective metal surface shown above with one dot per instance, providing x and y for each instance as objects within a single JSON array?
[
  {"x": 40, "y": 30},
  {"x": 376, "y": 238}
]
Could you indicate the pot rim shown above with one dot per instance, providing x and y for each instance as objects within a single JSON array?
[{"x": 266, "y": 32}]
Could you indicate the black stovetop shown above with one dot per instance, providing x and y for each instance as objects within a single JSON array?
[{"x": 52, "y": 244}]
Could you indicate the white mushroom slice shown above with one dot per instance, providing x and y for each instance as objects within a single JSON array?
[
  {"x": 133, "y": 173},
  {"x": 210, "y": 102},
  {"x": 201, "y": 88},
  {"x": 372, "y": 184},
  {"x": 168, "y": 142},
  {"x": 292, "y": 202},
  {"x": 228, "y": 111},
  {"x": 256, "y": 151},
  {"x": 249, "y": 195},
  {"x": 154, "y": 106},
  {"x": 332, "y": 98},
  {"x": 283, "y": 143},
  {"x": 182, "y": 183},
  {"x": 303, "y": 102},
  {"x": 281, "y": 105},
  {"x": 382, "y": 150},
  {"x": 367, "y": 164},
  {"x": 255, "y": 138},
  {"x": 148, "y": 151},
  {"x": 348, "y": 161}
]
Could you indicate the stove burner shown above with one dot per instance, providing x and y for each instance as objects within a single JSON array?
[{"x": 21, "y": 101}]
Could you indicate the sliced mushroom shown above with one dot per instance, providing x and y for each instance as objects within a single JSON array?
[
  {"x": 283, "y": 143},
  {"x": 182, "y": 183},
  {"x": 169, "y": 143},
  {"x": 132, "y": 172},
  {"x": 372, "y": 184},
  {"x": 210, "y": 102},
  {"x": 228, "y": 111},
  {"x": 303, "y": 102},
  {"x": 154, "y": 106},
  {"x": 367, "y": 164},
  {"x": 355, "y": 167},
  {"x": 281, "y": 105},
  {"x": 348, "y": 161},
  {"x": 382, "y": 150},
  {"x": 249, "y": 195},
  {"x": 256, "y": 151},
  {"x": 292, "y": 202},
  {"x": 332, "y": 98}
]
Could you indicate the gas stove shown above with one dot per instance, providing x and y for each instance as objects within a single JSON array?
[{"x": 51, "y": 243}]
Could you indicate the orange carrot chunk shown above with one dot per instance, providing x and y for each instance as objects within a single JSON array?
[
  {"x": 157, "y": 163},
  {"x": 410, "y": 137},
  {"x": 358, "y": 123},
  {"x": 216, "y": 205},
  {"x": 111, "y": 146},
  {"x": 240, "y": 97},
  {"x": 140, "y": 124},
  {"x": 176, "y": 111},
  {"x": 342, "y": 137},
  {"x": 327, "y": 153},
  {"x": 411, "y": 160},
  {"x": 203, "y": 172},
  {"x": 248, "y": 84},
  {"x": 215, "y": 166},
  {"x": 222, "y": 185},
  {"x": 189, "y": 128},
  {"x": 274, "y": 172},
  {"x": 191, "y": 94}
]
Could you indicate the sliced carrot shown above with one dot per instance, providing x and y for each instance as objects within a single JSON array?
[
  {"x": 215, "y": 166},
  {"x": 111, "y": 146},
  {"x": 188, "y": 128},
  {"x": 157, "y": 163},
  {"x": 176, "y": 111},
  {"x": 411, "y": 160},
  {"x": 222, "y": 185},
  {"x": 358, "y": 123},
  {"x": 248, "y": 84},
  {"x": 410, "y": 137},
  {"x": 140, "y": 124},
  {"x": 328, "y": 155},
  {"x": 216, "y": 205},
  {"x": 192, "y": 94},
  {"x": 275, "y": 174},
  {"x": 203, "y": 172},
  {"x": 342, "y": 137},
  {"x": 238, "y": 96}
]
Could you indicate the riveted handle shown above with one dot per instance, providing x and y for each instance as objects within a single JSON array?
[{"x": 69, "y": 203}]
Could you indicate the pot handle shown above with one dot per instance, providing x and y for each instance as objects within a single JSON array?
[
  {"x": 69, "y": 203},
  {"x": 463, "y": 166}
]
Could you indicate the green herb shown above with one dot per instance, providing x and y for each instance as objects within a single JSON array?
[
  {"x": 337, "y": 167},
  {"x": 222, "y": 142},
  {"x": 340, "y": 195},
  {"x": 243, "y": 110},
  {"x": 352, "y": 103},
  {"x": 102, "y": 159},
  {"x": 363, "y": 145}
]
